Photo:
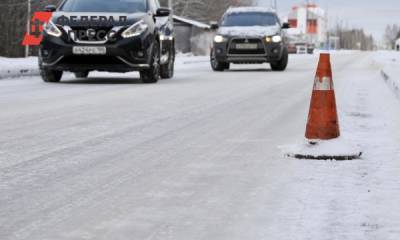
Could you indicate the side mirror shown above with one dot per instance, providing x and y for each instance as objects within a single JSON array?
[
  {"x": 163, "y": 12},
  {"x": 50, "y": 8},
  {"x": 214, "y": 25},
  {"x": 285, "y": 25}
]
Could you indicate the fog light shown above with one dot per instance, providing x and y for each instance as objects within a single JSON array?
[
  {"x": 276, "y": 51},
  {"x": 219, "y": 50}
]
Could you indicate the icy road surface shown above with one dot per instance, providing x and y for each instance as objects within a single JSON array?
[{"x": 196, "y": 157}]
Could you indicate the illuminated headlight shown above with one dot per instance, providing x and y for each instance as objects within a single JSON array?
[
  {"x": 135, "y": 30},
  {"x": 268, "y": 39},
  {"x": 166, "y": 38},
  {"x": 51, "y": 29},
  {"x": 219, "y": 39},
  {"x": 277, "y": 39}
]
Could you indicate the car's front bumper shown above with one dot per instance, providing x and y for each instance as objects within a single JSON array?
[
  {"x": 266, "y": 52},
  {"x": 122, "y": 56}
]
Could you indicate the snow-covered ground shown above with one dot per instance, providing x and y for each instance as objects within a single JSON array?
[
  {"x": 198, "y": 156},
  {"x": 16, "y": 67}
]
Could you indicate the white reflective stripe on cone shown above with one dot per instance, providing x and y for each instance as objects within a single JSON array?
[{"x": 325, "y": 84}]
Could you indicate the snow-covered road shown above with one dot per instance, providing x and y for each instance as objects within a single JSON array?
[{"x": 196, "y": 157}]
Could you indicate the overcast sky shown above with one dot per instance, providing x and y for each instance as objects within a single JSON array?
[{"x": 372, "y": 15}]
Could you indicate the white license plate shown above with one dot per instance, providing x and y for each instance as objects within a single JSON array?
[
  {"x": 89, "y": 50},
  {"x": 246, "y": 46}
]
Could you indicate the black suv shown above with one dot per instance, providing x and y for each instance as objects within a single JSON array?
[
  {"x": 249, "y": 35},
  {"x": 108, "y": 35}
]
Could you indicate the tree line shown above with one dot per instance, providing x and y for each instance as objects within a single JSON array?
[
  {"x": 392, "y": 33},
  {"x": 353, "y": 38}
]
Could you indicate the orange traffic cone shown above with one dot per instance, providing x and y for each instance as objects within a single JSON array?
[{"x": 323, "y": 121}]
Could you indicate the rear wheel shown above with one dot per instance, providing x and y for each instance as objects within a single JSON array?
[
  {"x": 81, "y": 74},
  {"x": 217, "y": 65},
  {"x": 282, "y": 63},
  {"x": 152, "y": 74},
  {"x": 51, "y": 75}
]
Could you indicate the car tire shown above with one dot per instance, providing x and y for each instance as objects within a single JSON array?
[
  {"x": 51, "y": 75},
  {"x": 167, "y": 70},
  {"x": 81, "y": 74},
  {"x": 152, "y": 75},
  {"x": 282, "y": 63},
  {"x": 217, "y": 65}
]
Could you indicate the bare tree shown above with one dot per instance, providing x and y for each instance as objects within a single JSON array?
[
  {"x": 353, "y": 38},
  {"x": 13, "y": 19},
  {"x": 392, "y": 33},
  {"x": 205, "y": 10}
]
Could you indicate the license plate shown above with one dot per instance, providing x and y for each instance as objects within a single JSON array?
[
  {"x": 89, "y": 50},
  {"x": 246, "y": 46}
]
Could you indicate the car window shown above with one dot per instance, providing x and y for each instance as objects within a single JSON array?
[
  {"x": 246, "y": 19},
  {"x": 128, "y": 6}
]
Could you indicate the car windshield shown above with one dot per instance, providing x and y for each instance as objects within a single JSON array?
[
  {"x": 247, "y": 19},
  {"x": 125, "y": 6}
]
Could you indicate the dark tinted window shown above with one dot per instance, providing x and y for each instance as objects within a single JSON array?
[
  {"x": 125, "y": 6},
  {"x": 246, "y": 19}
]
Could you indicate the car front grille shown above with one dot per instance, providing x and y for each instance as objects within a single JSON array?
[
  {"x": 82, "y": 33},
  {"x": 233, "y": 50}
]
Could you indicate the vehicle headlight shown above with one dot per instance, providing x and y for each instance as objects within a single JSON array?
[
  {"x": 135, "y": 30},
  {"x": 166, "y": 38},
  {"x": 268, "y": 39},
  {"x": 219, "y": 39},
  {"x": 277, "y": 39},
  {"x": 51, "y": 29}
]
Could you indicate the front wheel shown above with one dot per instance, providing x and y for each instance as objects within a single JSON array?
[
  {"x": 217, "y": 65},
  {"x": 282, "y": 63},
  {"x": 167, "y": 70},
  {"x": 152, "y": 74},
  {"x": 51, "y": 75}
]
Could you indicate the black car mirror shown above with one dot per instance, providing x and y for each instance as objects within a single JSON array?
[
  {"x": 50, "y": 8},
  {"x": 163, "y": 12},
  {"x": 285, "y": 25},
  {"x": 214, "y": 25}
]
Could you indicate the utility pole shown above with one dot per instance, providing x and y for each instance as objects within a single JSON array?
[
  {"x": 28, "y": 25},
  {"x": 276, "y": 5},
  {"x": 171, "y": 6}
]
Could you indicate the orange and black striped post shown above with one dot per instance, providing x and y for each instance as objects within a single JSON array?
[{"x": 323, "y": 123}]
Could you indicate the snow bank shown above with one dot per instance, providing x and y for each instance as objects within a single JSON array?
[
  {"x": 16, "y": 67},
  {"x": 389, "y": 63}
]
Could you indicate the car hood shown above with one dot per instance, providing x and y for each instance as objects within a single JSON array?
[
  {"x": 254, "y": 31},
  {"x": 78, "y": 19}
]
